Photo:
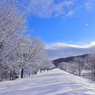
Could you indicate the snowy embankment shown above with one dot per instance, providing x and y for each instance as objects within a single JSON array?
[{"x": 54, "y": 82}]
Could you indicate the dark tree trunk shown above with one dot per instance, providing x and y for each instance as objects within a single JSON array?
[{"x": 22, "y": 73}]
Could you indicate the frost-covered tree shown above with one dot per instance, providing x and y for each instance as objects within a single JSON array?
[
  {"x": 31, "y": 54},
  {"x": 12, "y": 22},
  {"x": 38, "y": 59},
  {"x": 46, "y": 64},
  {"x": 18, "y": 52},
  {"x": 74, "y": 66},
  {"x": 63, "y": 66},
  {"x": 78, "y": 65},
  {"x": 90, "y": 62}
]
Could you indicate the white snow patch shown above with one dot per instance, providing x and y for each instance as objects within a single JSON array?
[{"x": 54, "y": 82}]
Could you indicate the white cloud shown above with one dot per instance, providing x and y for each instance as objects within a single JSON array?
[
  {"x": 49, "y": 8},
  {"x": 55, "y": 8},
  {"x": 70, "y": 13},
  {"x": 86, "y": 25},
  {"x": 90, "y": 4},
  {"x": 71, "y": 41},
  {"x": 58, "y": 50}
]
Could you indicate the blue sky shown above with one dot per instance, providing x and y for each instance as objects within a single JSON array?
[{"x": 67, "y": 27}]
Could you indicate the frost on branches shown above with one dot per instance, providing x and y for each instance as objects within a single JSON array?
[{"x": 18, "y": 52}]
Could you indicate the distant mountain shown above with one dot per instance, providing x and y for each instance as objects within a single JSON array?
[{"x": 67, "y": 59}]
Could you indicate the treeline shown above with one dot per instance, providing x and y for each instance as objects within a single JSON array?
[
  {"x": 18, "y": 52},
  {"x": 81, "y": 66}
]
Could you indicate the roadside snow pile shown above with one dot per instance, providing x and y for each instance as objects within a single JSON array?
[{"x": 54, "y": 82}]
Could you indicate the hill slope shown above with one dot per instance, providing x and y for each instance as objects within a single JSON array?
[
  {"x": 56, "y": 62},
  {"x": 54, "y": 82}
]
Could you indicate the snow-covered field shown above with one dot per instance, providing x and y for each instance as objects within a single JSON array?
[{"x": 54, "y": 82}]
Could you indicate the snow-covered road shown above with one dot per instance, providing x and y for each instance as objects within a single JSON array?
[{"x": 54, "y": 82}]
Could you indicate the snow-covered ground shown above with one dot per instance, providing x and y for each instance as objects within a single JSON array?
[{"x": 54, "y": 82}]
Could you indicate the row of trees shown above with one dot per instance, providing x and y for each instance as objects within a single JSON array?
[
  {"x": 79, "y": 64},
  {"x": 17, "y": 51}
]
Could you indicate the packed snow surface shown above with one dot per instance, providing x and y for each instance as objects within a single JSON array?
[{"x": 54, "y": 82}]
